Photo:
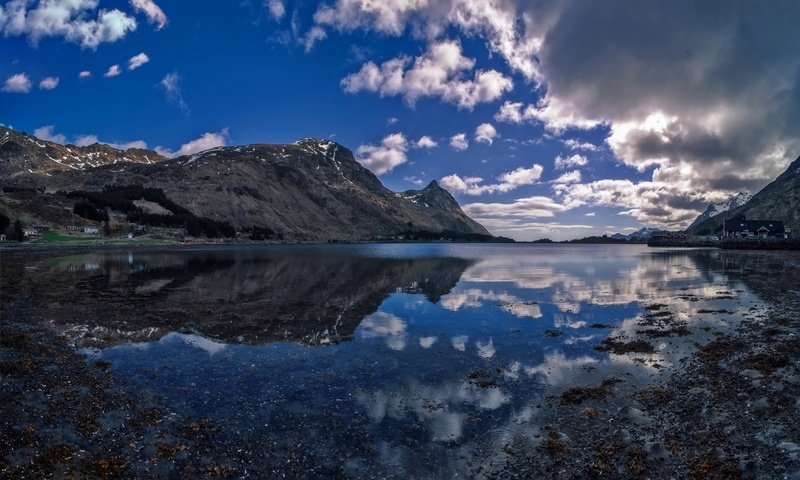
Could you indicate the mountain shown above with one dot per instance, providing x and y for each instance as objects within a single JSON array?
[
  {"x": 313, "y": 190},
  {"x": 22, "y": 153},
  {"x": 715, "y": 209},
  {"x": 642, "y": 234},
  {"x": 780, "y": 200}
]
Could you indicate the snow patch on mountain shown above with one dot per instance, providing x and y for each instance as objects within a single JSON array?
[{"x": 715, "y": 209}]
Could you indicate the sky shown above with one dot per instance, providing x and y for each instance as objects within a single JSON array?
[{"x": 545, "y": 119}]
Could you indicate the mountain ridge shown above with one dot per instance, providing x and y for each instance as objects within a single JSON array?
[
  {"x": 779, "y": 200},
  {"x": 312, "y": 190}
]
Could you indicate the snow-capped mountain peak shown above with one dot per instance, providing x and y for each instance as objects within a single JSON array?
[{"x": 715, "y": 209}]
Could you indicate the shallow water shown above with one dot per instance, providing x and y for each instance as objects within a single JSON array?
[{"x": 368, "y": 360}]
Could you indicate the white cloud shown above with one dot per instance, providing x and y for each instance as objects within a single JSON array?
[
  {"x": 666, "y": 204},
  {"x": 152, "y": 11},
  {"x": 18, "y": 83},
  {"x": 590, "y": 214},
  {"x": 413, "y": 179},
  {"x": 505, "y": 182},
  {"x": 391, "y": 120},
  {"x": 48, "y": 133},
  {"x": 48, "y": 83},
  {"x": 385, "y": 157},
  {"x": 459, "y": 142},
  {"x": 312, "y": 37},
  {"x": 571, "y": 161},
  {"x": 570, "y": 177},
  {"x": 171, "y": 84},
  {"x": 70, "y": 19},
  {"x": 112, "y": 71},
  {"x": 528, "y": 207},
  {"x": 84, "y": 140},
  {"x": 206, "y": 141},
  {"x": 137, "y": 61},
  {"x": 426, "y": 142},
  {"x": 485, "y": 133},
  {"x": 509, "y": 32},
  {"x": 437, "y": 73},
  {"x": 85, "y": 74},
  {"x": 574, "y": 144},
  {"x": 556, "y": 117},
  {"x": 276, "y": 8}
]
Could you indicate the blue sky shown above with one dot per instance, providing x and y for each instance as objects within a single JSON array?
[{"x": 557, "y": 120}]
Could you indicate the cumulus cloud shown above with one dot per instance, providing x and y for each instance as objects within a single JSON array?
[
  {"x": 85, "y": 74},
  {"x": 528, "y": 207},
  {"x": 440, "y": 72},
  {"x": 507, "y": 29},
  {"x": 459, "y": 142},
  {"x": 505, "y": 182},
  {"x": 137, "y": 61},
  {"x": 18, "y": 83},
  {"x": 385, "y": 157},
  {"x": 729, "y": 127},
  {"x": 426, "y": 142},
  {"x": 171, "y": 84},
  {"x": 206, "y": 141},
  {"x": 574, "y": 144},
  {"x": 84, "y": 140},
  {"x": 571, "y": 161},
  {"x": 47, "y": 133},
  {"x": 152, "y": 11},
  {"x": 656, "y": 203},
  {"x": 112, "y": 71},
  {"x": 77, "y": 21},
  {"x": 485, "y": 133},
  {"x": 48, "y": 83},
  {"x": 569, "y": 177}
]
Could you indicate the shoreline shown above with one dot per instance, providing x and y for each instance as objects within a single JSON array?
[{"x": 64, "y": 414}]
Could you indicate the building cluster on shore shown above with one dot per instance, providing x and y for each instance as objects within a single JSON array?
[{"x": 736, "y": 233}]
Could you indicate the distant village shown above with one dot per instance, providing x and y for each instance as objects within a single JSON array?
[{"x": 736, "y": 233}]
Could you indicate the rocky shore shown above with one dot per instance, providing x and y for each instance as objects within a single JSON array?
[{"x": 731, "y": 410}]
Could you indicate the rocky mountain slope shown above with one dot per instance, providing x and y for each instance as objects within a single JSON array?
[
  {"x": 715, "y": 209},
  {"x": 313, "y": 190},
  {"x": 780, "y": 200},
  {"x": 21, "y": 153}
]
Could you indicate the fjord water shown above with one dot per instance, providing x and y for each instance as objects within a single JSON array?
[{"x": 364, "y": 360}]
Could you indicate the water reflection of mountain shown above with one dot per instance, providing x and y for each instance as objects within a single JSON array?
[{"x": 230, "y": 296}]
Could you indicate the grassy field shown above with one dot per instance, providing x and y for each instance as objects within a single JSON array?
[{"x": 55, "y": 237}]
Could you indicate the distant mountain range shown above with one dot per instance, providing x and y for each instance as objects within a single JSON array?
[
  {"x": 780, "y": 200},
  {"x": 642, "y": 234},
  {"x": 313, "y": 190}
]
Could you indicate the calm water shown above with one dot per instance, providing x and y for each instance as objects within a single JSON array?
[{"x": 423, "y": 360}]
